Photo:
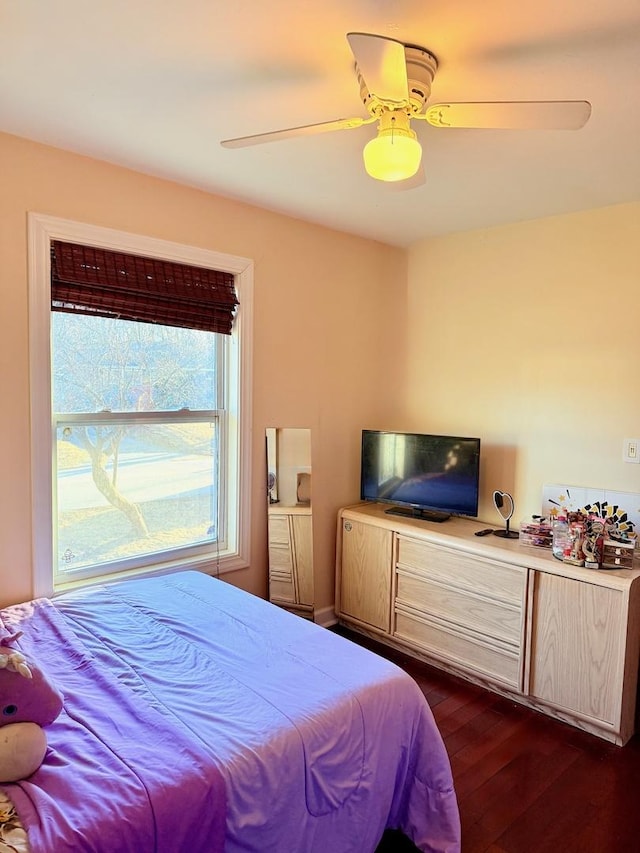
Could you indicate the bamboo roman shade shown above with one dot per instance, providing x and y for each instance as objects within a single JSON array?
[{"x": 99, "y": 282}]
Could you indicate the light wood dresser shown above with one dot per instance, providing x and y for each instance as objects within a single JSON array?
[
  {"x": 559, "y": 638},
  {"x": 291, "y": 558}
]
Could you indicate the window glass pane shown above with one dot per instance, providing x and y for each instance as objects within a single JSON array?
[
  {"x": 103, "y": 364},
  {"x": 127, "y": 490}
]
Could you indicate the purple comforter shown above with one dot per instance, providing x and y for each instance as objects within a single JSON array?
[
  {"x": 198, "y": 717},
  {"x": 117, "y": 776}
]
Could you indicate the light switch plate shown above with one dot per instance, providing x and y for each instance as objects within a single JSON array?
[{"x": 631, "y": 450}]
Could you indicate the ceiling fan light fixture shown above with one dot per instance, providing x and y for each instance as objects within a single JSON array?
[{"x": 395, "y": 153}]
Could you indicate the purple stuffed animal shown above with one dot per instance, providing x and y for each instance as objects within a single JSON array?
[{"x": 28, "y": 701}]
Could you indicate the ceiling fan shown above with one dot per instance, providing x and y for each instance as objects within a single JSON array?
[{"x": 395, "y": 84}]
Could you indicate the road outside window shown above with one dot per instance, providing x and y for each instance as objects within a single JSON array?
[{"x": 140, "y": 421}]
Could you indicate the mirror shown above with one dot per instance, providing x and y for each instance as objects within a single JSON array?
[
  {"x": 503, "y": 502},
  {"x": 290, "y": 521}
]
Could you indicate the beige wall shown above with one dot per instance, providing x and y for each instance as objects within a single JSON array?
[
  {"x": 322, "y": 307},
  {"x": 525, "y": 335},
  {"x": 529, "y": 337}
]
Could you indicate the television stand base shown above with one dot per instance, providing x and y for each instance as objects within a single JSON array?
[{"x": 420, "y": 514}]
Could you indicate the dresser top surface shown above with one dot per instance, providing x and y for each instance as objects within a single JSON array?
[{"x": 459, "y": 533}]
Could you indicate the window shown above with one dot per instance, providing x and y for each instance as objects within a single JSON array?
[
  {"x": 147, "y": 426},
  {"x": 140, "y": 421}
]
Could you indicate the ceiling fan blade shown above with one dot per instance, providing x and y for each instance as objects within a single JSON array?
[
  {"x": 304, "y": 130},
  {"x": 383, "y": 65},
  {"x": 516, "y": 115}
]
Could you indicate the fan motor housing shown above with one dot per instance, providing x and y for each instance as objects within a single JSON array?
[{"x": 421, "y": 68}]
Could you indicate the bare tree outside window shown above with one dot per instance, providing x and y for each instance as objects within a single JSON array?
[{"x": 137, "y": 414}]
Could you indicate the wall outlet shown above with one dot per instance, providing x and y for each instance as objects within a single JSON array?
[{"x": 631, "y": 450}]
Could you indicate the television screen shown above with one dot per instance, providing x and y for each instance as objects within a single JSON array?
[{"x": 423, "y": 476}]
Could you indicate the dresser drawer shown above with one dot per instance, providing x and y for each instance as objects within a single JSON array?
[
  {"x": 280, "y": 559},
  {"x": 281, "y": 589},
  {"x": 465, "y": 571},
  {"x": 494, "y": 663},
  {"x": 491, "y": 618},
  {"x": 279, "y": 529}
]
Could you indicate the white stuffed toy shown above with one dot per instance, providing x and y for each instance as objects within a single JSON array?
[{"x": 28, "y": 701}]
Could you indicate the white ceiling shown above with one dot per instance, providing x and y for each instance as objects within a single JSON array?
[{"x": 155, "y": 85}]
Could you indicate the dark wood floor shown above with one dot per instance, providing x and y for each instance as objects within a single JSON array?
[{"x": 525, "y": 782}]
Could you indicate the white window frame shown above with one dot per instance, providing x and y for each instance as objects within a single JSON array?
[{"x": 42, "y": 230}]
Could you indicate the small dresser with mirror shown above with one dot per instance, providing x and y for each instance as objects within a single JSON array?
[{"x": 290, "y": 520}]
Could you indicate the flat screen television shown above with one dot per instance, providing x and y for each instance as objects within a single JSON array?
[{"x": 422, "y": 476}]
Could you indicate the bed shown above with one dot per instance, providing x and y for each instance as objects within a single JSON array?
[{"x": 198, "y": 717}]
